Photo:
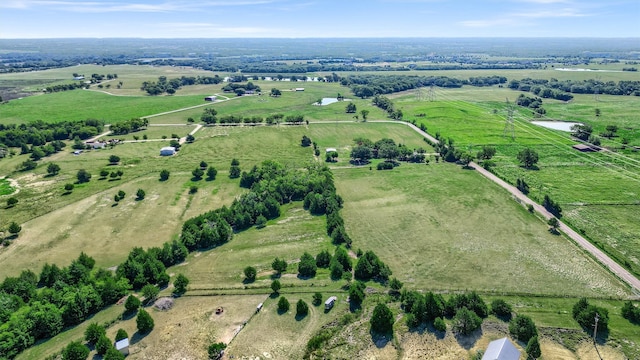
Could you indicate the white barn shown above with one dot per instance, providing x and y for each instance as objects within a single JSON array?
[
  {"x": 501, "y": 349},
  {"x": 168, "y": 151}
]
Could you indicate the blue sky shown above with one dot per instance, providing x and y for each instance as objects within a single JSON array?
[{"x": 318, "y": 18}]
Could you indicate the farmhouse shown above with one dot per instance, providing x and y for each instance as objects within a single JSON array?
[
  {"x": 168, "y": 151},
  {"x": 210, "y": 98},
  {"x": 123, "y": 346},
  {"x": 330, "y": 302},
  {"x": 501, "y": 349}
]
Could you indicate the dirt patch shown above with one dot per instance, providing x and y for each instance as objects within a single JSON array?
[{"x": 163, "y": 304}]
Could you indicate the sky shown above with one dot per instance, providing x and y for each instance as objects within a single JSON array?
[{"x": 317, "y": 18}]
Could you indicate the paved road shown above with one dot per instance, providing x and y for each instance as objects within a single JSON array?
[{"x": 603, "y": 258}]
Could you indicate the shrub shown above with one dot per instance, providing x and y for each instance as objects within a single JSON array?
[
  {"x": 75, "y": 351},
  {"x": 283, "y": 305},
  {"x": 132, "y": 304},
  {"x": 382, "y": 319},
  {"x": 533, "y": 348},
  {"x": 466, "y": 321},
  {"x": 113, "y": 354},
  {"x": 164, "y": 175},
  {"x": 385, "y": 165},
  {"x": 216, "y": 350},
  {"x": 439, "y": 324},
  {"x": 94, "y": 332},
  {"x": 275, "y": 286},
  {"x": 279, "y": 265},
  {"x": 585, "y": 313},
  {"x": 250, "y": 273},
  {"x": 302, "y": 309},
  {"x": 523, "y": 328},
  {"x": 144, "y": 322},
  {"x": 307, "y": 266},
  {"x": 180, "y": 284},
  {"x": 103, "y": 344},
  {"x": 317, "y": 299},
  {"x": 121, "y": 334},
  {"x": 193, "y": 189},
  {"x": 500, "y": 308}
]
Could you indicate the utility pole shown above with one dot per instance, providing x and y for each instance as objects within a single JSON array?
[
  {"x": 595, "y": 327},
  {"x": 509, "y": 128}
]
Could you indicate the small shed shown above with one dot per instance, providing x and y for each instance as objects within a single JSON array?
[
  {"x": 331, "y": 150},
  {"x": 210, "y": 98},
  {"x": 330, "y": 302},
  {"x": 299, "y": 89},
  {"x": 168, "y": 151},
  {"x": 501, "y": 349},
  {"x": 123, "y": 346}
]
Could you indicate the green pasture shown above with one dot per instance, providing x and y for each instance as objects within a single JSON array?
[
  {"x": 462, "y": 233},
  {"x": 5, "y": 187}
]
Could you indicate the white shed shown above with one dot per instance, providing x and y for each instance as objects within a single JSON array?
[
  {"x": 210, "y": 98},
  {"x": 501, "y": 349},
  {"x": 123, "y": 346},
  {"x": 332, "y": 150},
  {"x": 167, "y": 151}
]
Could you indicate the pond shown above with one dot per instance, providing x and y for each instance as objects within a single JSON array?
[
  {"x": 556, "y": 125},
  {"x": 327, "y": 101}
]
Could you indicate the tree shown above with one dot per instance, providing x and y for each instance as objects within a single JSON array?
[
  {"x": 234, "y": 171},
  {"x": 149, "y": 292},
  {"x": 275, "y": 286},
  {"x": 361, "y": 153},
  {"x": 140, "y": 194},
  {"x": 306, "y": 141},
  {"x": 216, "y": 350},
  {"x": 527, "y": 157},
  {"x": 103, "y": 344},
  {"x": 395, "y": 285},
  {"x": 121, "y": 334},
  {"x": 53, "y": 169},
  {"x": 250, "y": 274},
  {"x": 554, "y": 224},
  {"x": 190, "y": 138},
  {"x": 83, "y": 176},
  {"x": 486, "y": 153},
  {"x": 180, "y": 284},
  {"x": 132, "y": 304},
  {"x": 439, "y": 324},
  {"x": 522, "y": 328},
  {"x": 533, "y": 348},
  {"x": 211, "y": 173},
  {"x": 75, "y": 351},
  {"x": 351, "y": 108},
  {"x": 14, "y": 228},
  {"x": 581, "y": 131},
  {"x": 164, "y": 175},
  {"x": 500, "y": 308},
  {"x": 114, "y": 159},
  {"x": 356, "y": 293},
  {"x": 197, "y": 173},
  {"x": 11, "y": 202},
  {"x": 94, "y": 332},
  {"x": 203, "y": 164},
  {"x": 68, "y": 187},
  {"x": 465, "y": 159},
  {"x": 283, "y": 305},
  {"x": 364, "y": 113},
  {"x": 144, "y": 322},
  {"x": 382, "y": 319},
  {"x": 275, "y": 92},
  {"x": 113, "y": 354},
  {"x": 307, "y": 266},
  {"x": 302, "y": 309},
  {"x": 317, "y": 299},
  {"x": 466, "y": 321},
  {"x": 323, "y": 259},
  {"x": 279, "y": 265}
]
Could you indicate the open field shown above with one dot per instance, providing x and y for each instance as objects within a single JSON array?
[{"x": 426, "y": 229}]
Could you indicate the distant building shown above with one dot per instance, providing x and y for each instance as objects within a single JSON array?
[
  {"x": 210, "y": 98},
  {"x": 79, "y": 77},
  {"x": 501, "y": 349},
  {"x": 123, "y": 346},
  {"x": 98, "y": 145},
  {"x": 299, "y": 89},
  {"x": 331, "y": 150},
  {"x": 584, "y": 148},
  {"x": 330, "y": 302},
  {"x": 168, "y": 151}
]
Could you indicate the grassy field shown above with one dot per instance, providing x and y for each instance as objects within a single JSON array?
[{"x": 462, "y": 233}]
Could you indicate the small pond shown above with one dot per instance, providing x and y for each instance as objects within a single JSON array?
[
  {"x": 327, "y": 101},
  {"x": 556, "y": 125}
]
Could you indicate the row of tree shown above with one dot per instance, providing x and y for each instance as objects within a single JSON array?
[
  {"x": 170, "y": 86},
  {"x": 127, "y": 126},
  {"x": 365, "y": 86},
  {"x": 39, "y": 133},
  {"x": 364, "y": 150},
  {"x": 559, "y": 89},
  {"x": 210, "y": 116}
]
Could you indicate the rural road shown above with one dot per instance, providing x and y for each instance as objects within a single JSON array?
[{"x": 603, "y": 258}]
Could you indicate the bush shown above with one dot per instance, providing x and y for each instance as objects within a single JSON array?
[
  {"x": 75, "y": 351},
  {"x": 144, "y": 322},
  {"x": 382, "y": 319},
  {"x": 216, "y": 350},
  {"x": 323, "y": 259},
  {"x": 180, "y": 284},
  {"x": 439, "y": 324},
  {"x": 103, "y": 344},
  {"x": 275, "y": 286},
  {"x": 83, "y": 176},
  {"x": 283, "y": 305},
  {"x": 500, "y": 308},
  {"x": 585, "y": 313},
  {"x": 164, "y": 175},
  {"x": 279, "y": 265},
  {"x": 533, "y": 348},
  {"x": 113, "y": 354},
  {"x": 250, "y": 274},
  {"x": 317, "y": 299},
  {"x": 132, "y": 304},
  {"x": 523, "y": 328},
  {"x": 121, "y": 334},
  {"x": 356, "y": 293},
  {"x": 631, "y": 312},
  {"x": 93, "y": 333},
  {"x": 140, "y": 194},
  {"x": 385, "y": 165},
  {"x": 302, "y": 309},
  {"x": 193, "y": 189},
  {"x": 307, "y": 266},
  {"x": 466, "y": 321}
]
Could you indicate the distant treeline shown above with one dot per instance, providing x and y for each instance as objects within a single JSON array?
[{"x": 545, "y": 88}]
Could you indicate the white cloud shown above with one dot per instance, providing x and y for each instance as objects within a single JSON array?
[
  {"x": 551, "y": 13},
  {"x": 113, "y": 6}
]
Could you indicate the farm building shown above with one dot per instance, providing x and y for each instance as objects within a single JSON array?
[
  {"x": 501, "y": 349},
  {"x": 123, "y": 346},
  {"x": 168, "y": 151},
  {"x": 331, "y": 150},
  {"x": 330, "y": 302},
  {"x": 98, "y": 145},
  {"x": 299, "y": 89},
  {"x": 210, "y": 98},
  {"x": 583, "y": 148}
]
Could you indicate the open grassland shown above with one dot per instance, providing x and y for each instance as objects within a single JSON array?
[{"x": 462, "y": 233}]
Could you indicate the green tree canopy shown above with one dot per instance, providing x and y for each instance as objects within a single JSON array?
[{"x": 382, "y": 319}]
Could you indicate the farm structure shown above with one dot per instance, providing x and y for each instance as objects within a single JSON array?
[
  {"x": 331, "y": 150},
  {"x": 584, "y": 148},
  {"x": 168, "y": 151},
  {"x": 123, "y": 346},
  {"x": 501, "y": 349},
  {"x": 210, "y": 98},
  {"x": 330, "y": 302}
]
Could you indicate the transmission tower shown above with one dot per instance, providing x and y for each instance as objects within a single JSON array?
[
  {"x": 596, "y": 92},
  {"x": 432, "y": 93},
  {"x": 509, "y": 127},
  {"x": 420, "y": 94}
]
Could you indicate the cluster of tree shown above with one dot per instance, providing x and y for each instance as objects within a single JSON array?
[
  {"x": 238, "y": 119},
  {"x": 552, "y": 206},
  {"x": 38, "y": 307},
  {"x": 369, "y": 266},
  {"x": 364, "y": 150},
  {"x": 306, "y": 141},
  {"x": 386, "y": 104},
  {"x": 631, "y": 312},
  {"x": 38, "y": 133},
  {"x": 365, "y": 86},
  {"x": 447, "y": 150},
  {"x": 584, "y": 133},
  {"x": 560, "y": 89},
  {"x": 38, "y": 152},
  {"x": 170, "y": 86},
  {"x": 528, "y": 157},
  {"x": 585, "y": 314},
  {"x": 127, "y": 126},
  {"x": 65, "y": 87},
  {"x": 535, "y": 104},
  {"x": 241, "y": 89},
  {"x": 351, "y": 108}
]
